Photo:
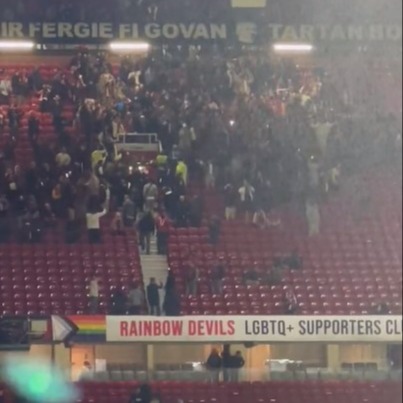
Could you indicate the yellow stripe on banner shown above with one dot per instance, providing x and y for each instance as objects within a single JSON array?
[{"x": 248, "y": 3}]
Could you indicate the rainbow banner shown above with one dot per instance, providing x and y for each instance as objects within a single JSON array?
[
  {"x": 91, "y": 329},
  {"x": 79, "y": 329}
]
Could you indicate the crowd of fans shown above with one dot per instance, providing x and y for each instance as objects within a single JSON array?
[{"x": 263, "y": 133}]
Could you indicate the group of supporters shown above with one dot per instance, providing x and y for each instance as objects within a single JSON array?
[{"x": 264, "y": 134}]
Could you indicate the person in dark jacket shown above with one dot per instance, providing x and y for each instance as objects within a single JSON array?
[
  {"x": 182, "y": 213},
  {"x": 162, "y": 224},
  {"x": 237, "y": 364},
  {"x": 118, "y": 302},
  {"x": 217, "y": 278},
  {"x": 214, "y": 230},
  {"x": 214, "y": 364},
  {"x": 146, "y": 228},
  {"x": 170, "y": 284},
  {"x": 172, "y": 305},
  {"x": 226, "y": 362},
  {"x": 33, "y": 128},
  {"x": 153, "y": 297},
  {"x": 128, "y": 212}
]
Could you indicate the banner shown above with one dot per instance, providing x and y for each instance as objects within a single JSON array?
[
  {"x": 242, "y": 32},
  {"x": 256, "y": 329},
  {"x": 79, "y": 329}
]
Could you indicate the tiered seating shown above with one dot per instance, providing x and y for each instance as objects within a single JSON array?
[
  {"x": 52, "y": 278},
  {"x": 24, "y": 153},
  {"x": 274, "y": 392},
  {"x": 354, "y": 264}
]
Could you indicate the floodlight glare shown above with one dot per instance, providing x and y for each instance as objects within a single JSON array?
[
  {"x": 293, "y": 47},
  {"x": 16, "y": 45},
  {"x": 129, "y": 46}
]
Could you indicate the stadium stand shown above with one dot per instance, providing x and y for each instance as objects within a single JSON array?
[
  {"x": 350, "y": 249},
  {"x": 272, "y": 392},
  {"x": 350, "y": 269}
]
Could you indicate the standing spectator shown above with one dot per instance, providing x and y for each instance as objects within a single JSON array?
[
  {"x": 182, "y": 213},
  {"x": 230, "y": 200},
  {"x": 172, "y": 304},
  {"x": 214, "y": 364},
  {"x": 2, "y": 122},
  {"x": 214, "y": 230},
  {"x": 117, "y": 224},
  {"x": 247, "y": 200},
  {"x": 162, "y": 225},
  {"x": 128, "y": 212},
  {"x": 5, "y": 230},
  {"x": 260, "y": 219},
  {"x": 192, "y": 279},
  {"x": 170, "y": 283},
  {"x": 56, "y": 110},
  {"x": 94, "y": 295},
  {"x": 135, "y": 299},
  {"x": 226, "y": 362},
  {"x": 238, "y": 363},
  {"x": 313, "y": 217},
  {"x": 313, "y": 171},
  {"x": 291, "y": 302},
  {"x": 118, "y": 302},
  {"x": 5, "y": 90},
  {"x": 33, "y": 128},
  {"x": 146, "y": 227},
  {"x": 153, "y": 297},
  {"x": 14, "y": 119},
  {"x": 210, "y": 176},
  {"x": 217, "y": 277},
  {"x": 93, "y": 225},
  {"x": 182, "y": 172},
  {"x": 150, "y": 195}
]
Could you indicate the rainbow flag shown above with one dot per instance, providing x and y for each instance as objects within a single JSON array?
[{"x": 91, "y": 329}]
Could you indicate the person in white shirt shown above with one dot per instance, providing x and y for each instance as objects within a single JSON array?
[
  {"x": 93, "y": 225},
  {"x": 87, "y": 372},
  {"x": 314, "y": 176},
  {"x": 313, "y": 217},
  {"x": 136, "y": 299},
  {"x": 322, "y": 131},
  {"x": 5, "y": 90},
  {"x": 94, "y": 295},
  {"x": 247, "y": 198}
]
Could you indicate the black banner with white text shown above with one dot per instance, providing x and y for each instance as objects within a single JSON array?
[{"x": 241, "y": 33}]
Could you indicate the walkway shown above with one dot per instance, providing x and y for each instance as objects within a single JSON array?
[{"x": 155, "y": 266}]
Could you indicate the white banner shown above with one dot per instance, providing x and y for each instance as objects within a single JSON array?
[{"x": 259, "y": 329}]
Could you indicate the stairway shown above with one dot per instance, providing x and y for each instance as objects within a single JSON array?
[{"x": 154, "y": 266}]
